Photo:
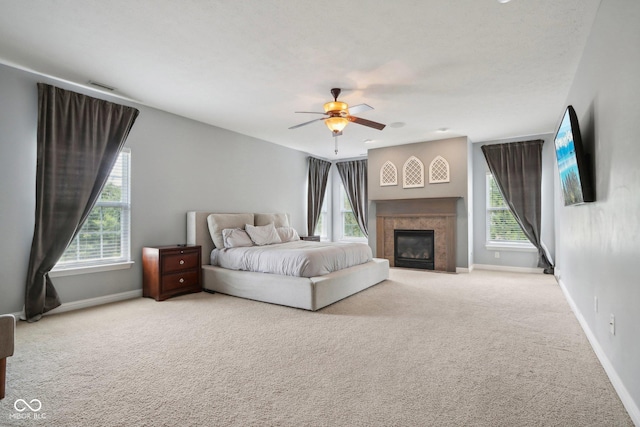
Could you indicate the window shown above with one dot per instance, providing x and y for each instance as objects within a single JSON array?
[
  {"x": 502, "y": 228},
  {"x": 413, "y": 173},
  {"x": 322, "y": 227},
  {"x": 439, "y": 170},
  {"x": 104, "y": 237},
  {"x": 388, "y": 174},
  {"x": 350, "y": 227}
]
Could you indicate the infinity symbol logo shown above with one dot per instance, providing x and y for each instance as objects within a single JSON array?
[{"x": 24, "y": 405}]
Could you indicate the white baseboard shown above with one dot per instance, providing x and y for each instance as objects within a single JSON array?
[
  {"x": 618, "y": 385},
  {"x": 509, "y": 269},
  {"x": 464, "y": 269},
  {"x": 90, "y": 302}
]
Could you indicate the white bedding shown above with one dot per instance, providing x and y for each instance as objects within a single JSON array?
[{"x": 299, "y": 258}]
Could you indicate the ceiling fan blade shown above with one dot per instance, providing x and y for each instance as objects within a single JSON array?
[
  {"x": 306, "y": 123},
  {"x": 364, "y": 122},
  {"x": 360, "y": 108},
  {"x": 309, "y": 112}
]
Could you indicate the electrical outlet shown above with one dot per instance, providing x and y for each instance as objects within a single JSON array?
[
  {"x": 612, "y": 324},
  {"x": 497, "y": 255},
  {"x": 595, "y": 304}
]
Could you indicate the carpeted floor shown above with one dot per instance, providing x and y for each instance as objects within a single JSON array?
[{"x": 421, "y": 349}]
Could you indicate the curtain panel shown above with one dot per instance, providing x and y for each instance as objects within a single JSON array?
[
  {"x": 317, "y": 185},
  {"x": 78, "y": 141},
  {"x": 517, "y": 170},
  {"x": 354, "y": 179}
]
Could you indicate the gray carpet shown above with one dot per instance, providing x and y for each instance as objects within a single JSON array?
[{"x": 421, "y": 349}]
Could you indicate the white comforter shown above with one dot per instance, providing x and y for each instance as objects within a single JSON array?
[{"x": 299, "y": 258}]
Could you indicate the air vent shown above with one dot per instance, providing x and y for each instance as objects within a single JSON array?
[{"x": 102, "y": 86}]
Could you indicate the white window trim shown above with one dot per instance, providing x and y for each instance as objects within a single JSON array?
[
  {"x": 504, "y": 245},
  {"x": 77, "y": 270},
  {"x": 514, "y": 247}
]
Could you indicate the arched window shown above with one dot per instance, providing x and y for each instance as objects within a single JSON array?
[
  {"x": 413, "y": 173},
  {"x": 388, "y": 174},
  {"x": 438, "y": 171}
]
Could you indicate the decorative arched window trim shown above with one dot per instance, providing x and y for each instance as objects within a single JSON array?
[
  {"x": 388, "y": 174},
  {"x": 439, "y": 171},
  {"x": 413, "y": 173}
]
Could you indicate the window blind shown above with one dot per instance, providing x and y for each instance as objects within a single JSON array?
[
  {"x": 105, "y": 236},
  {"x": 501, "y": 225}
]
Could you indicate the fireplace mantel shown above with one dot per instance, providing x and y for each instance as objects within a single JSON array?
[{"x": 438, "y": 214}]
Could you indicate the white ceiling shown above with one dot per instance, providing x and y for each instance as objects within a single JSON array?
[{"x": 478, "y": 68}]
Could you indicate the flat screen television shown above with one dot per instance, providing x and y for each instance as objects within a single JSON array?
[{"x": 575, "y": 178}]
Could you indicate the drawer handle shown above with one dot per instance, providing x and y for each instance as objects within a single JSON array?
[
  {"x": 181, "y": 280},
  {"x": 181, "y": 261}
]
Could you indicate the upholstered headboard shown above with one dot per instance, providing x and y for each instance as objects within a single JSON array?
[{"x": 198, "y": 228}]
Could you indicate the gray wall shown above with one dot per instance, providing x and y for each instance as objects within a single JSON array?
[
  {"x": 471, "y": 199},
  {"x": 455, "y": 151},
  {"x": 177, "y": 165},
  {"x": 598, "y": 244},
  {"x": 508, "y": 257}
]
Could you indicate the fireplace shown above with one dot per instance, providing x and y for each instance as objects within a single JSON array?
[
  {"x": 437, "y": 214},
  {"x": 414, "y": 249}
]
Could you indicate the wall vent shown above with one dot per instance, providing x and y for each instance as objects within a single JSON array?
[{"x": 102, "y": 86}]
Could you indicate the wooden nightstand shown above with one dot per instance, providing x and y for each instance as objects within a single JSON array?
[
  {"x": 168, "y": 271},
  {"x": 311, "y": 238}
]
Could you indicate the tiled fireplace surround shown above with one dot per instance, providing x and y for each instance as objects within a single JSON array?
[{"x": 438, "y": 214}]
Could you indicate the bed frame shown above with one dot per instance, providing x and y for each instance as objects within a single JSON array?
[{"x": 300, "y": 292}]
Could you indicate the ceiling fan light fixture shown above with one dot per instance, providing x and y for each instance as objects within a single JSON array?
[
  {"x": 341, "y": 107},
  {"x": 338, "y": 116},
  {"x": 336, "y": 124}
]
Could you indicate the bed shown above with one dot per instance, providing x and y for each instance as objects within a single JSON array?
[{"x": 309, "y": 293}]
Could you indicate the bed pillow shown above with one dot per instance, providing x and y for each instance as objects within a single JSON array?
[
  {"x": 278, "y": 219},
  {"x": 288, "y": 234},
  {"x": 263, "y": 234},
  {"x": 218, "y": 222},
  {"x": 235, "y": 238}
]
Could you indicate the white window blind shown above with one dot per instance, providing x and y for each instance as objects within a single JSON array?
[
  {"x": 501, "y": 225},
  {"x": 104, "y": 238}
]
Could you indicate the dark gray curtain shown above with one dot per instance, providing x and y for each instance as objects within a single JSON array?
[
  {"x": 318, "y": 175},
  {"x": 79, "y": 138},
  {"x": 517, "y": 170},
  {"x": 354, "y": 179}
]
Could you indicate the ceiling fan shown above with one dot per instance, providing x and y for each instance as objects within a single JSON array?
[{"x": 338, "y": 115}]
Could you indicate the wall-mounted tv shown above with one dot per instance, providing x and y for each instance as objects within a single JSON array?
[{"x": 575, "y": 178}]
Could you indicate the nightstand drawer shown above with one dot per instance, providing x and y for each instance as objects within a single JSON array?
[
  {"x": 180, "y": 280},
  {"x": 177, "y": 261}
]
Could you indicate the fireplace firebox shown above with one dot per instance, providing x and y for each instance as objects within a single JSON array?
[{"x": 414, "y": 249}]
